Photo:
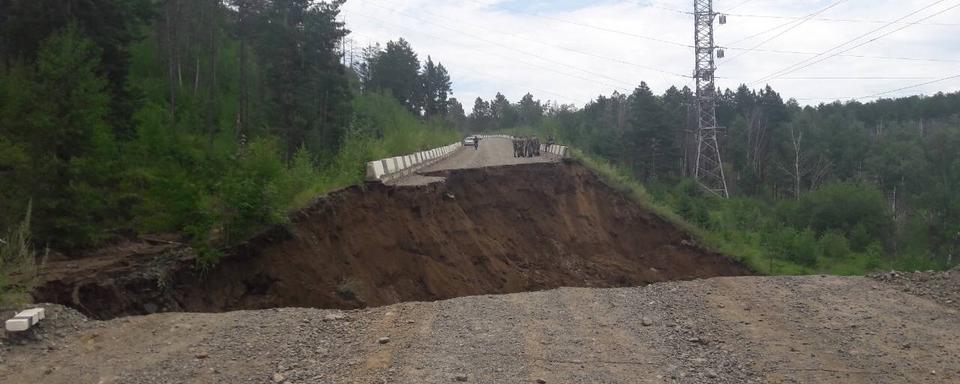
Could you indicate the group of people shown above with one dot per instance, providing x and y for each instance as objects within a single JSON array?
[{"x": 526, "y": 146}]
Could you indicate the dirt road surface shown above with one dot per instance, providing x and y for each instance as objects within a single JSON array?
[
  {"x": 720, "y": 330},
  {"x": 492, "y": 152}
]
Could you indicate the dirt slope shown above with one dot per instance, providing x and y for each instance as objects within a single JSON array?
[
  {"x": 720, "y": 330},
  {"x": 491, "y": 230}
]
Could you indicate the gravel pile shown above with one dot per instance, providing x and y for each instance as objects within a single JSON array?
[
  {"x": 59, "y": 322},
  {"x": 806, "y": 329},
  {"x": 940, "y": 286}
]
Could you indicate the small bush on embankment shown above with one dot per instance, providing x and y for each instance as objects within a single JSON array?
[{"x": 19, "y": 263}]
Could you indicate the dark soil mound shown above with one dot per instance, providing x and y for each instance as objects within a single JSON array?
[{"x": 483, "y": 231}]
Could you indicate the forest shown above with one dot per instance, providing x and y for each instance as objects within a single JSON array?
[
  {"x": 845, "y": 187},
  {"x": 209, "y": 119},
  {"x": 215, "y": 119}
]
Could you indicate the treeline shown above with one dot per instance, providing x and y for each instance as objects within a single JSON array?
[
  {"x": 207, "y": 118},
  {"x": 841, "y": 187}
]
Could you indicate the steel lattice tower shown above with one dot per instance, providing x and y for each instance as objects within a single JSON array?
[{"x": 709, "y": 171}]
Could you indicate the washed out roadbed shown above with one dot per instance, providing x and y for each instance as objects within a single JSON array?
[{"x": 719, "y": 330}]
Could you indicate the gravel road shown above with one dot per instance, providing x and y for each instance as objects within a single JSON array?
[
  {"x": 720, "y": 330},
  {"x": 493, "y": 151}
]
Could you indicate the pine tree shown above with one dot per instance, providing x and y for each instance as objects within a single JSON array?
[
  {"x": 502, "y": 114},
  {"x": 530, "y": 110},
  {"x": 455, "y": 113},
  {"x": 649, "y": 134},
  {"x": 65, "y": 127},
  {"x": 481, "y": 116},
  {"x": 396, "y": 70},
  {"x": 110, "y": 24}
]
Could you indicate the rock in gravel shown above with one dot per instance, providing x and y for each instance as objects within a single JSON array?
[
  {"x": 383, "y": 340},
  {"x": 646, "y": 321},
  {"x": 541, "y": 381},
  {"x": 202, "y": 355},
  {"x": 278, "y": 378},
  {"x": 335, "y": 317},
  {"x": 461, "y": 377}
]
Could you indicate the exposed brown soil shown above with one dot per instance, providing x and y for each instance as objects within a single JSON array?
[{"x": 491, "y": 230}]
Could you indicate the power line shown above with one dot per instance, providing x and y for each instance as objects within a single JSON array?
[
  {"x": 940, "y": 80},
  {"x": 481, "y": 73},
  {"x": 858, "y": 78},
  {"x": 613, "y": 59},
  {"x": 790, "y": 24},
  {"x": 744, "y": 2},
  {"x": 843, "y": 78},
  {"x": 902, "y": 58},
  {"x": 512, "y": 49},
  {"x": 795, "y": 25},
  {"x": 865, "y": 21},
  {"x": 610, "y": 30},
  {"x": 909, "y": 87},
  {"x": 509, "y": 59},
  {"x": 814, "y": 60}
]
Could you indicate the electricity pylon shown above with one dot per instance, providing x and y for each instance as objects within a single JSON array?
[{"x": 709, "y": 171}]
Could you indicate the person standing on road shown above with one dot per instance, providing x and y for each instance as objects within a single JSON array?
[{"x": 476, "y": 143}]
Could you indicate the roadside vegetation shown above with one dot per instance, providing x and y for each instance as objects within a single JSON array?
[
  {"x": 19, "y": 263},
  {"x": 209, "y": 119},
  {"x": 216, "y": 119},
  {"x": 842, "y": 188}
]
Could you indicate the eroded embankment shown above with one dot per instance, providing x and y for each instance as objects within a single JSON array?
[{"x": 491, "y": 230}]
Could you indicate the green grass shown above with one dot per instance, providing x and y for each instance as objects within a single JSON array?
[
  {"x": 740, "y": 246},
  {"x": 19, "y": 264}
]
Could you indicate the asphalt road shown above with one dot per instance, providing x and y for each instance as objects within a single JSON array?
[{"x": 492, "y": 152}]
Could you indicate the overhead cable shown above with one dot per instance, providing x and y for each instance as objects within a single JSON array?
[{"x": 829, "y": 53}]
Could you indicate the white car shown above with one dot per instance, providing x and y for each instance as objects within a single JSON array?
[{"x": 468, "y": 141}]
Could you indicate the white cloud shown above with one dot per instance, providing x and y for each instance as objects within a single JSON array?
[{"x": 490, "y": 49}]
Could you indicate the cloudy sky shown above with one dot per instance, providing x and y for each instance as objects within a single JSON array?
[{"x": 570, "y": 51}]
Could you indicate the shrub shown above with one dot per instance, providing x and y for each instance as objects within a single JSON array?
[
  {"x": 18, "y": 263},
  {"x": 834, "y": 245},
  {"x": 250, "y": 192},
  {"x": 858, "y": 211}
]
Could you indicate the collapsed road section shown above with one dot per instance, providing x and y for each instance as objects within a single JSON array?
[{"x": 482, "y": 231}]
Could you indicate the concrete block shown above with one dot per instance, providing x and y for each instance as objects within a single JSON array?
[
  {"x": 378, "y": 169},
  {"x": 371, "y": 174},
  {"x": 25, "y": 319},
  {"x": 17, "y": 325},
  {"x": 36, "y": 314}
]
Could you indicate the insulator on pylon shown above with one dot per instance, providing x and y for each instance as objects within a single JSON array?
[
  {"x": 723, "y": 19},
  {"x": 720, "y": 53}
]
